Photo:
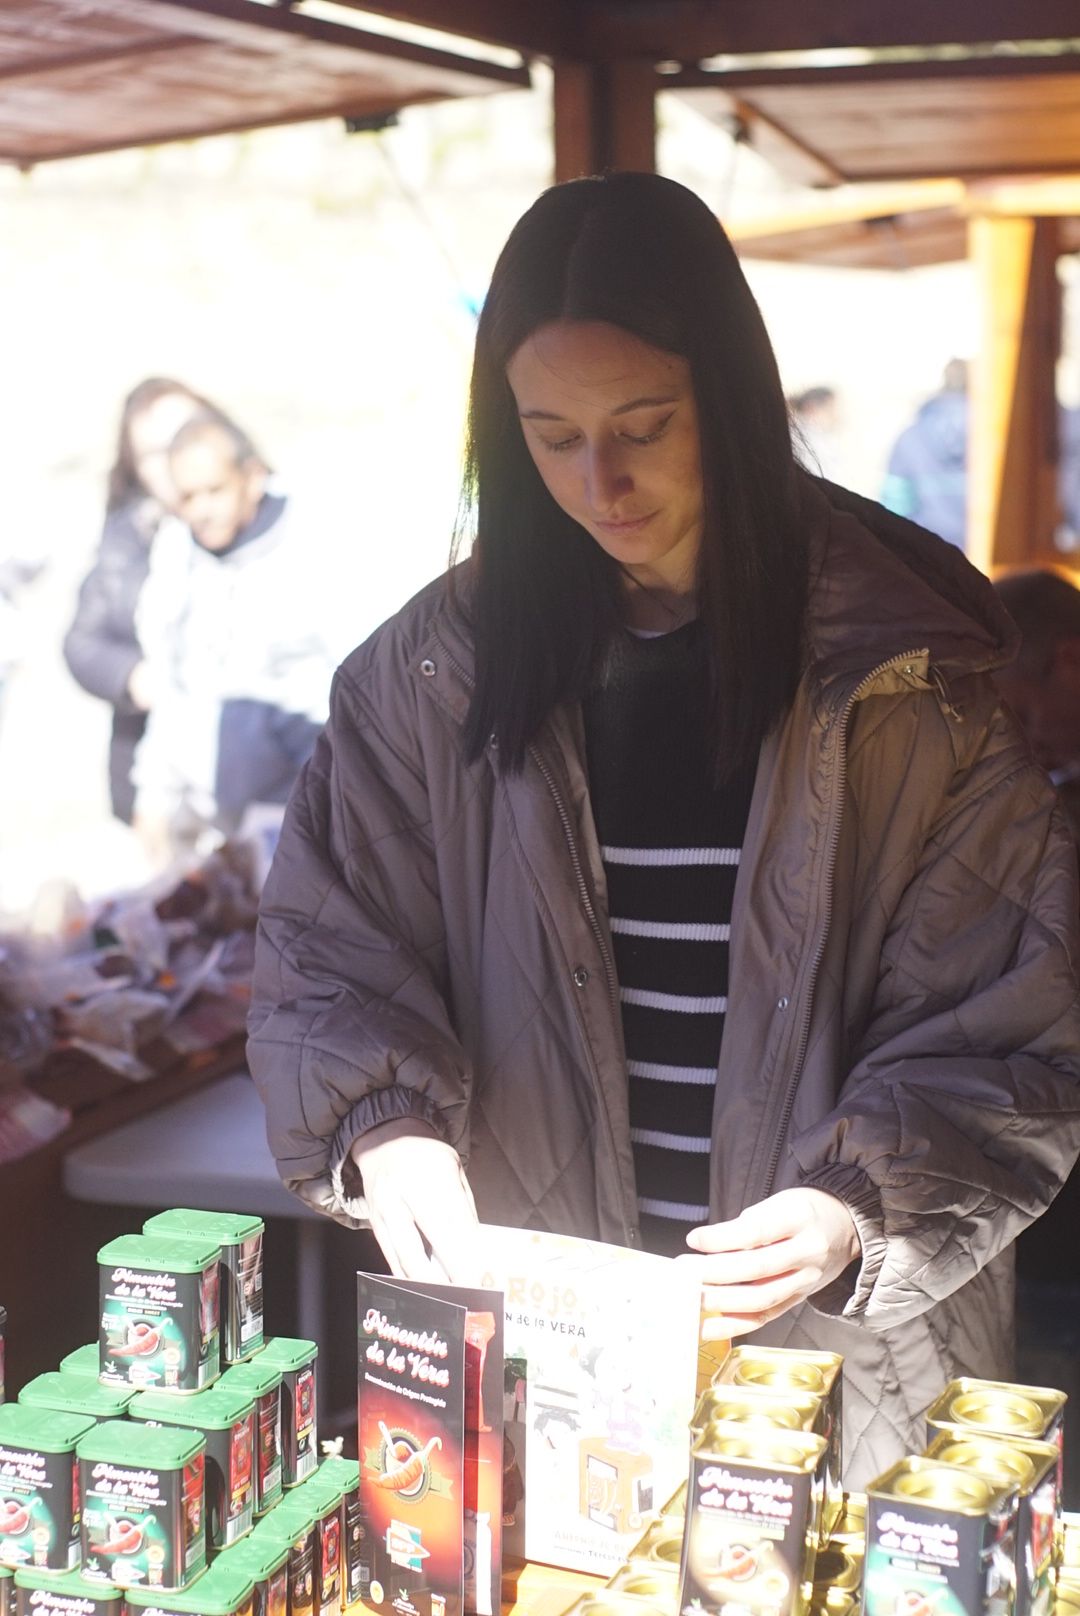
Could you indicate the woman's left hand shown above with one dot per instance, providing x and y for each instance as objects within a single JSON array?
[{"x": 771, "y": 1257}]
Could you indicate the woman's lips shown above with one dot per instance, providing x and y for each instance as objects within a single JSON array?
[{"x": 624, "y": 527}]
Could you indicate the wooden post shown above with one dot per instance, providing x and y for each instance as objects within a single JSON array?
[
  {"x": 1012, "y": 446},
  {"x": 605, "y": 116}
]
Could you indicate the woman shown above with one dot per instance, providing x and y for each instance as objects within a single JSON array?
[
  {"x": 101, "y": 647},
  {"x": 504, "y": 932}
]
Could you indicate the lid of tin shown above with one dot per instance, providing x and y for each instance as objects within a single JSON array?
[
  {"x": 79, "y": 1394},
  {"x": 257, "y": 1557},
  {"x": 345, "y": 1471},
  {"x": 929, "y": 1481},
  {"x": 255, "y": 1376},
  {"x": 220, "y": 1591},
  {"x": 295, "y": 1514},
  {"x": 49, "y": 1430},
  {"x": 127, "y": 1442},
  {"x": 72, "y": 1583},
  {"x": 324, "y": 1491},
  {"x": 214, "y": 1409},
  {"x": 83, "y": 1361},
  {"x": 288, "y": 1352},
  {"x": 994, "y": 1458},
  {"x": 759, "y": 1445},
  {"x": 160, "y": 1256},
  {"x": 181, "y": 1222}
]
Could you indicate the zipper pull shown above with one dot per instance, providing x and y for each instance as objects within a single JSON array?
[{"x": 948, "y": 705}]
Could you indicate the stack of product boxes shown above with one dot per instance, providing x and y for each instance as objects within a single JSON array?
[
  {"x": 173, "y": 1467},
  {"x": 970, "y": 1528}
]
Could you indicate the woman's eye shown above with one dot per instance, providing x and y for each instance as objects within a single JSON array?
[
  {"x": 649, "y": 437},
  {"x": 559, "y": 445}
]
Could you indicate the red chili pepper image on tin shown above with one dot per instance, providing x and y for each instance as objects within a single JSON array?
[
  {"x": 14, "y": 1517},
  {"x": 406, "y": 1469},
  {"x": 737, "y": 1562},
  {"x": 142, "y": 1340},
  {"x": 125, "y": 1537}
]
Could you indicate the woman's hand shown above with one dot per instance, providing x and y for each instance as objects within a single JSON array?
[
  {"x": 771, "y": 1257},
  {"x": 416, "y": 1190}
]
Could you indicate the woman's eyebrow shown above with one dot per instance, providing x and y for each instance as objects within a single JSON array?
[{"x": 623, "y": 409}]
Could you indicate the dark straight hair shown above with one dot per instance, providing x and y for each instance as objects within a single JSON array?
[{"x": 643, "y": 253}]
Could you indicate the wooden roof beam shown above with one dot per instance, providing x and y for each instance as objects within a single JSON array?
[
  {"x": 689, "y": 30},
  {"x": 535, "y": 27},
  {"x": 92, "y": 58}
]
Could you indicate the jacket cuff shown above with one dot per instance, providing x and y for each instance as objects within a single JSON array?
[
  {"x": 848, "y": 1295},
  {"x": 409, "y": 1110}
]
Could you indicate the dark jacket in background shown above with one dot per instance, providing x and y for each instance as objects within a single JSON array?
[{"x": 100, "y": 647}]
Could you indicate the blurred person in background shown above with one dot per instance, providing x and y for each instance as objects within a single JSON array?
[
  {"x": 236, "y": 618},
  {"x": 817, "y": 431},
  {"x": 101, "y": 647},
  {"x": 926, "y": 479},
  {"x": 1043, "y": 685}
]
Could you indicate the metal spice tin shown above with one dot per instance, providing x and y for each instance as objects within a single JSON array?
[
  {"x": 346, "y": 1472},
  {"x": 224, "y": 1590},
  {"x": 656, "y": 1586},
  {"x": 7, "y": 1591},
  {"x": 299, "y": 1435},
  {"x": 226, "y": 1419},
  {"x": 267, "y": 1561},
  {"x": 241, "y": 1281},
  {"x": 659, "y": 1547},
  {"x": 1007, "y": 1410},
  {"x": 1069, "y": 1556},
  {"x": 938, "y": 1538},
  {"x": 43, "y": 1593},
  {"x": 837, "y": 1566},
  {"x": 753, "y": 1520},
  {"x": 676, "y": 1504},
  {"x": 850, "y": 1524},
  {"x": 39, "y": 1486},
  {"x": 785, "y": 1370},
  {"x": 1032, "y": 1468},
  {"x": 743, "y": 1405},
  {"x": 296, "y": 1528},
  {"x": 321, "y": 1496},
  {"x": 159, "y": 1313},
  {"x": 833, "y": 1602},
  {"x": 604, "y": 1603},
  {"x": 77, "y": 1394},
  {"x": 263, "y": 1382},
  {"x": 143, "y": 1504}
]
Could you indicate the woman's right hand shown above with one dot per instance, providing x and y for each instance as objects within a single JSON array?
[{"x": 416, "y": 1191}]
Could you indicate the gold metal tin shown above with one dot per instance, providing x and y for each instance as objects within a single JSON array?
[
  {"x": 742, "y": 1405},
  {"x": 603, "y": 1603},
  {"x": 1067, "y": 1599},
  {"x": 850, "y": 1524},
  {"x": 1069, "y": 1555},
  {"x": 764, "y": 1447},
  {"x": 660, "y": 1545},
  {"x": 837, "y": 1567},
  {"x": 999, "y": 1406},
  {"x": 997, "y": 1460},
  {"x": 833, "y": 1602},
  {"x": 638, "y": 1582},
  {"x": 940, "y": 1486}
]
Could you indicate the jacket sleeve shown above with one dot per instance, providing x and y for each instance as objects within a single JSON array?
[
  {"x": 349, "y": 1025},
  {"x": 960, "y": 1118},
  {"x": 101, "y": 648}
]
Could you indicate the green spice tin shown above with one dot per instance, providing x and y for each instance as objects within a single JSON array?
[
  {"x": 39, "y": 1486},
  {"x": 224, "y": 1590},
  {"x": 83, "y": 1361},
  {"x": 263, "y": 1382},
  {"x": 321, "y": 1496},
  {"x": 7, "y": 1591},
  {"x": 299, "y": 1436},
  {"x": 143, "y": 1506},
  {"x": 226, "y": 1417},
  {"x": 43, "y": 1593},
  {"x": 267, "y": 1560},
  {"x": 77, "y": 1394},
  {"x": 241, "y": 1240},
  {"x": 346, "y": 1473},
  {"x": 159, "y": 1313},
  {"x": 296, "y": 1528}
]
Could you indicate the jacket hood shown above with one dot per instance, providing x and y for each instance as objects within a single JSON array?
[{"x": 881, "y": 586}]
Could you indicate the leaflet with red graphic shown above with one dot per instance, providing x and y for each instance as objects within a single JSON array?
[{"x": 430, "y": 1442}]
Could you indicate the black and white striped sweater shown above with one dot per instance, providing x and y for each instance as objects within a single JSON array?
[{"x": 671, "y": 843}]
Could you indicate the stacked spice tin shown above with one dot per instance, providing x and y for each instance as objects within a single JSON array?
[{"x": 172, "y": 1466}]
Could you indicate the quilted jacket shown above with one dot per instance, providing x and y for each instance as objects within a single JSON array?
[{"x": 903, "y": 1023}]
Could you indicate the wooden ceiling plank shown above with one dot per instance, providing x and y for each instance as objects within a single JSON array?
[
  {"x": 90, "y": 58},
  {"x": 688, "y": 30},
  {"x": 989, "y": 68},
  {"x": 537, "y": 28}
]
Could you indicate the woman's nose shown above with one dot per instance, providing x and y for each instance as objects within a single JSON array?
[{"x": 606, "y": 478}]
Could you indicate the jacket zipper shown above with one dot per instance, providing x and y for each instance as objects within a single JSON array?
[
  {"x": 629, "y": 1227},
  {"x": 832, "y": 848}
]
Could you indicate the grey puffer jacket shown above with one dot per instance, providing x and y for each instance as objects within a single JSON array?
[{"x": 903, "y": 1023}]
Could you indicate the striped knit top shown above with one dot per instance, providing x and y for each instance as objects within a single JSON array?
[{"x": 671, "y": 843}]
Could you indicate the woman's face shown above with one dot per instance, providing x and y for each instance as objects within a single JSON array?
[
  {"x": 150, "y": 433},
  {"x": 612, "y": 425}
]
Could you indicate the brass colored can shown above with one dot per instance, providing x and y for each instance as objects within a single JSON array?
[
  {"x": 997, "y": 1460},
  {"x": 659, "y": 1587},
  {"x": 1069, "y": 1557},
  {"x": 753, "y": 1520},
  {"x": 603, "y": 1603},
  {"x": 837, "y": 1567},
  {"x": 676, "y": 1504},
  {"x": 1067, "y": 1599},
  {"x": 1007, "y": 1410},
  {"x": 939, "y": 1537},
  {"x": 833, "y": 1601},
  {"x": 742, "y": 1405},
  {"x": 791, "y": 1373},
  {"x": 850, "y": 1524},
  {"x": 660, "y": 1545}
]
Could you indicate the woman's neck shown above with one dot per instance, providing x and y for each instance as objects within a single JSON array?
[{"x": 656, "y": 609}]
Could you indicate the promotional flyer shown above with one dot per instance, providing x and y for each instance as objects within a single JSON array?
[{"x": 430, "y": 1446}]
